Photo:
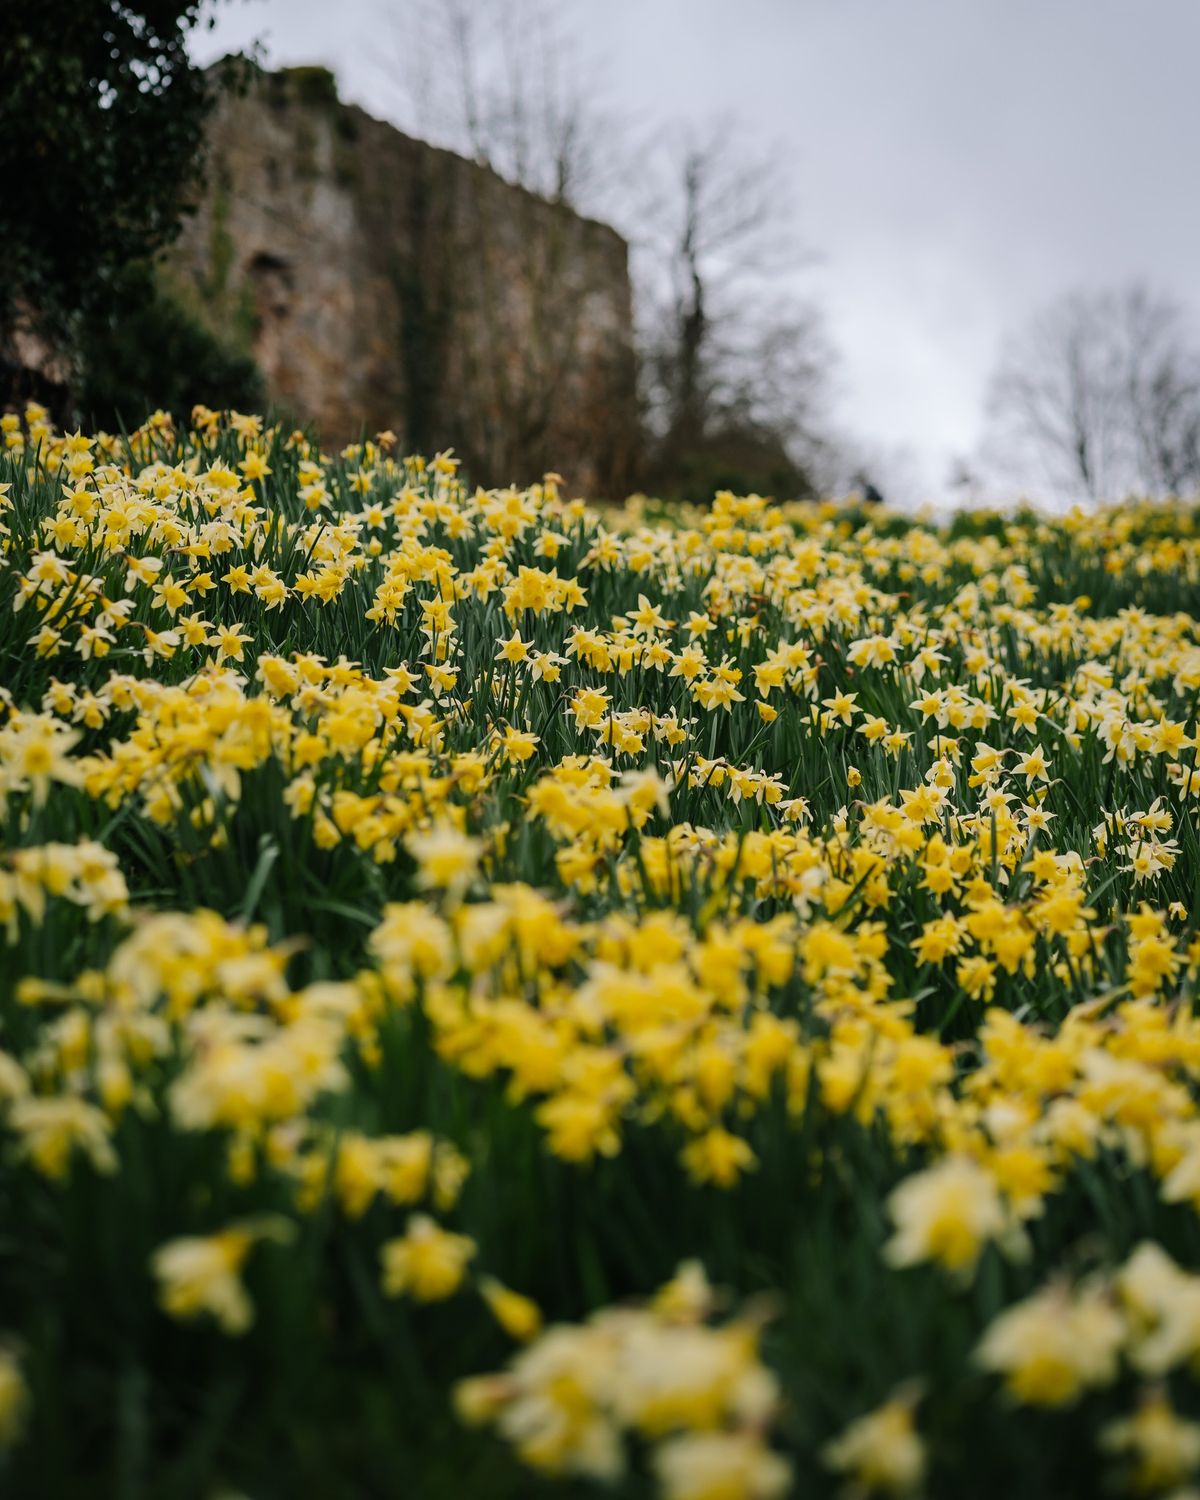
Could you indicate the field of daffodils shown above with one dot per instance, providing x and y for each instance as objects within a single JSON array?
[{"x": 501, "y": 998}]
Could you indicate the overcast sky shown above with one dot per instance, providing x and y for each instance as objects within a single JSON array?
[{"x": 955, "y": 163}]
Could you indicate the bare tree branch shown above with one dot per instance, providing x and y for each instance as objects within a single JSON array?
[{"x": 1101, "y": 392}]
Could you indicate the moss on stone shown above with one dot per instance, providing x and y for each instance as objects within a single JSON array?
[
  {"x": 220, "y": 242},
  {"x": 309, "y": 85}
]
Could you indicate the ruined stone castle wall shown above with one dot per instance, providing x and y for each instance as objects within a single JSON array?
[{"x": 380, "y": 282}]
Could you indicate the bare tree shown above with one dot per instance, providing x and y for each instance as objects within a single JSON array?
[
  {"x": 538, "y": 366},
  {"x": 1101, "y": 395},
  {"x": 732, "y": 361},
  {"x": 501, "y": 82},
  {"x": 1162, "y": 386},
  {"x": 735, "y": 359}
]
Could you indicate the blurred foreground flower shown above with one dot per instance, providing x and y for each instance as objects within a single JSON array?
[
  {"x": 201, "y": 1273},
  {"x": 699, "y": 1394},
  {"x": 14, "y": 1399}
]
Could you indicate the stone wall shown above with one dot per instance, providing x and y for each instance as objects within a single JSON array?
[{"x": 380, "y": 282}]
